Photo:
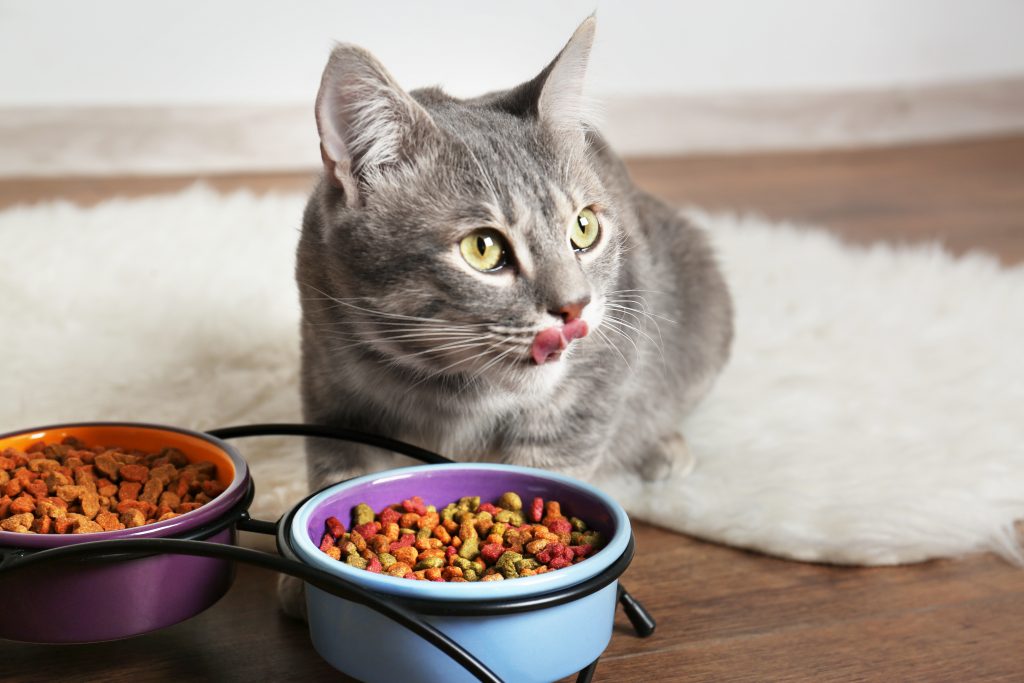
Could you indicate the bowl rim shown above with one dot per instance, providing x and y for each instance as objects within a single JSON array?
[
  {"x": 185, "y": 522},
  {"x": 307, "y": 551}
]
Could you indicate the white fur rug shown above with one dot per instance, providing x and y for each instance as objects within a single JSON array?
[{"x": 873, "y": 411}]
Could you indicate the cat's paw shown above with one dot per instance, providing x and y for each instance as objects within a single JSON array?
[
  {"x": 291, "y": 596},
  {"x": 670, "y": 457}
]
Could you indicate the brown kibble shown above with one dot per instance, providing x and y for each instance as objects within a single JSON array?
[
  {"x": 151, "y": 491},
  {"x": 129, "y": 490},
  {"x": 407, "y": 555},
  {"x": 137, "y": 473},
  {"x": 379, "y": 544},
  {"x": 132, "y": 517},
  {"x": 109, "y": 521},
  {"x": 70, "y": 493},
  {"x": 13, "y": 487},
  {"x": 169, "y": 499},
  {"x": 19, "y": 523},
  {"x": 108, "y": 465},
  {"x": 22, "y": 504},
  {"x": 47, "y": 508},
  {"x": 205, "y": 468},
  {"x": 181, "y": 485},
  {"x": 90, "y": 504},
  {"x": 85, "y": 476},
  {"x": 213, "y": 488},
  {"x": 164, "y": 473},
  {"x": 37, "y": 489},
  {"x": 54, "y": 479},
  {"x": 147, "y": 509},
  {"x": 42, "y": 464},
  {"x": 441, "y": 534},
  {"x": 86, "y": 526},
  {"x": 173, "y": 456},
  {"x": 71, "y": 488},
  {"x": 430, "y": 552}
]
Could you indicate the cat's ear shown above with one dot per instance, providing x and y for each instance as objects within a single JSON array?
[
  {"x": 367, "y": 123},
  {"x": 561, "y": 102}
]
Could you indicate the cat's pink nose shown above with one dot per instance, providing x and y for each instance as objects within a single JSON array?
[
  {"x": 572, "y": 310},
  {"x": 549, "y": 343}
]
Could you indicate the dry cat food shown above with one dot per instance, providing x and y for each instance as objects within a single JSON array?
[
  {"x": 70, "y": 488},
  {"x": 465, "y": 541}
]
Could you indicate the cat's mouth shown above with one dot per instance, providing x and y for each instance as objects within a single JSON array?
[{"x": 550, "y": 342}]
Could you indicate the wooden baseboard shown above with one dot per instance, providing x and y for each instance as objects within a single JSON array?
[{"x": 51, "y": 141}]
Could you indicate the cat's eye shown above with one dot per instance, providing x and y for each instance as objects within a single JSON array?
[
  {"x": 585, "y": 231},
  {"x": 484, "y": 250}
]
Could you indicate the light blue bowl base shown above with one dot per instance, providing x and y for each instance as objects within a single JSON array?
[{"x": 529, "y": 647}]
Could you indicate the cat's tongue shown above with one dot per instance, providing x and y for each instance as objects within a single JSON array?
[{"x": 549, "y": 343}]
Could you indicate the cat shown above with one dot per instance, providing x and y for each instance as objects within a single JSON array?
[{"x": 481, "y": 278}]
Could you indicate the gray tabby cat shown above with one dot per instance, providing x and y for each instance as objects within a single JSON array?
[{"x": 481, "y": 278}]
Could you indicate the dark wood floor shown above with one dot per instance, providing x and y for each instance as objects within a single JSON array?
[{"x": 724, "y": 615}]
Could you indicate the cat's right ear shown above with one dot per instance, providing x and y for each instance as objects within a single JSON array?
[{"x": 367, "y": 123}]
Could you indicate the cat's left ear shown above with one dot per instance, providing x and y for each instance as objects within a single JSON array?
[{"x": 561, "y": 103}]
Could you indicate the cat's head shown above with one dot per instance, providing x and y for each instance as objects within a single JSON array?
[{"x": 465, "y": 239}]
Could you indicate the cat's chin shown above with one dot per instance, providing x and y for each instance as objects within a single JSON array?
[{"x": 531, "y": 379}]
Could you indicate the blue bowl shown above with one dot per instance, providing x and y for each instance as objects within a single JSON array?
[{"x": 519, "y": 643}]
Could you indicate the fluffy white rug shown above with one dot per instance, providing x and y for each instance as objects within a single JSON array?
[{"x": 873, "y": 411}]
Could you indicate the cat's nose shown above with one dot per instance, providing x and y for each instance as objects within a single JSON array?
[{"x": 571, "y": 311}]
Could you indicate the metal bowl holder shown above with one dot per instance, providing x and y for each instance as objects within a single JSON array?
[{"x": 400, "y": 610}]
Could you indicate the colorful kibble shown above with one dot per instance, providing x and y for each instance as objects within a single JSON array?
[{"x": 467, "y": 540}]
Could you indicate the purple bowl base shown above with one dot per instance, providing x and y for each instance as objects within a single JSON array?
[{"x": 86, "y": 602}]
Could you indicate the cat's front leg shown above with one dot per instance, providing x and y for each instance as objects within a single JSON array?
[
  {"x": 669, "y": 456},
  {"x": 291, "y": 596},
  {"x": 329, "y": 461}
]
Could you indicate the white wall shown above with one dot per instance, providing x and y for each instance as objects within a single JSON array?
[{"x": 201, "y": 52}]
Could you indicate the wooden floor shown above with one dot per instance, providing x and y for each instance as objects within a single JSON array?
[{"x": 724, "y": 615}]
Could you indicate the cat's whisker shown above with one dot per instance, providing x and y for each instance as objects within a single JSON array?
[
  {"x": 620, "y": 322},
  {"x": 451, "y": 346},
  {"x": 424, "y": 337},
  {"x": 608, "y": 342},
  {"x": 450, "y": 366},
  {"x": 479, "y": 373},
  {"x": 636, "y": 313},
  {"x": 613, "y": 326},
  {"x": 346, "y": 303},
  {"x": 501, "y": 329},
  {"x": 363, "y": 343},
  {"x": 642, "y": 302},
  {"x": 399, "y": 323}
]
